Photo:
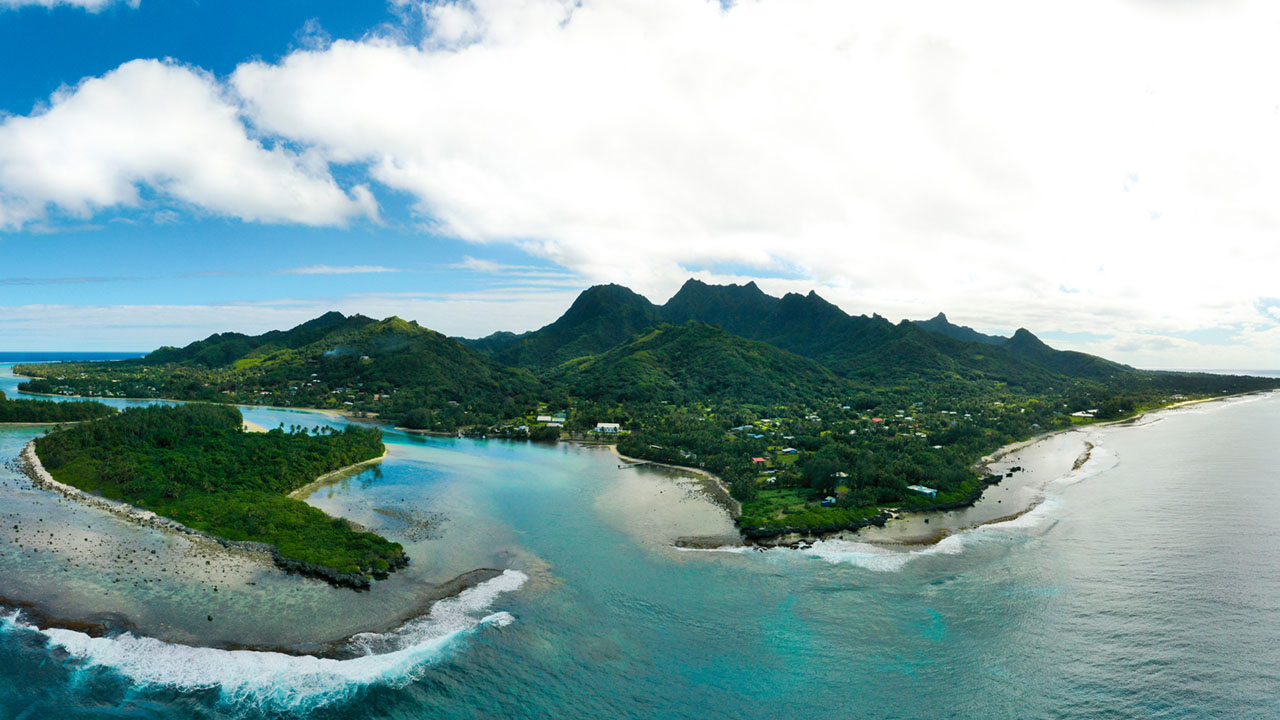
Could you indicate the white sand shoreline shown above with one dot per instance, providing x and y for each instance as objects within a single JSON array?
[
  {"x": 40, "y": 477},
  {"x": 733, "y": 506},
  {"x": 1087, "y": 447},
  {"x": 321, "y": 481}
]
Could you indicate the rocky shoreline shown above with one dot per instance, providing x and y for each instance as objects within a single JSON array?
[
  {"x": 107, "y": 624},
  {"x": 39, "y": 476},
  {"x": 797, "y": 537},
  {"x": 791, "y": 536}
]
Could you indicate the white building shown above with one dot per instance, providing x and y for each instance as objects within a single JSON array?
[{"x": 608, "y": 427}]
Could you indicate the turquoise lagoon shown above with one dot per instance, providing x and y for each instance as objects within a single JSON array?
[{"x": 1146, "y": 584}]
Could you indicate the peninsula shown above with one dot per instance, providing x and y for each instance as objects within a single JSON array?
[
  {"x": 195, "y": 465},
  {"x": 817, "y": 420},
  {"x": 48, "y": 412}
]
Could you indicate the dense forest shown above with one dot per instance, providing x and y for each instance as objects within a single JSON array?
[
  {"x": 195, "y": 464},
  {"x": 48, "y": 411},
  {"x": 392, "y": 367},
  {"x": 816, "y": 418}
]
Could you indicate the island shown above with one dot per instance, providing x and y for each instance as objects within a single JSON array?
[
  {"x": 195, "y": 465},
  {"x": 815, "y": 420},
  {"x": 48, "y": 412}
]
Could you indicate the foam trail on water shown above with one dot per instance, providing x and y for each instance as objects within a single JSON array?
[
  {"x": 737, "y": 549},
  {"x": 883, "y": 558},
  {"x": 865, "y": 555},
  {"x": 279, "y": 681},
  {"x": 878, "y": 557},
  {"x": 1100, "y": 460},
  {"x": 873, "y": 557}
]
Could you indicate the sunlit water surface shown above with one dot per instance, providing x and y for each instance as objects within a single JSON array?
[{"x": 1149, "y": 588}]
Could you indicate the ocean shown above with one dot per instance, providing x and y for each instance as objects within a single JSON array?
[
  {"x": 1146, "y": 584},
  {"x": 28, "y": 357}
]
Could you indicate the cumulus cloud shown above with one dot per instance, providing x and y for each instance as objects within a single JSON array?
[
  {"x": 1015, "y": 164},
  {"x": 905, "y": 157},
  {"x": 156, "y": 128}
]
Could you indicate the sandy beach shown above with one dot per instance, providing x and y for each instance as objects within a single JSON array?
[
  {"x": 41, "y": 478},
  {"x": 74, "y": 560},
  {"x": 720, "y": 493},
  {"x": 662, "y": 506},
  {"x": 1066, "y": 453},
  {"x": 340, "y": 473},
  {"x": 1040, "y": 460}
]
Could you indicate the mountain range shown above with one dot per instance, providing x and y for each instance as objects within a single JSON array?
[
  {"x": 815, "y": 418},
  {"x": 858, "y": 347},
  {"x": 728, "y": 343}
]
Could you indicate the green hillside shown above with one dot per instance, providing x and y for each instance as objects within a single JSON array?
[
  {"x": 940, "y": 325},
  {"x": 1067, "y": 362},
  {"x": 816, "y": 417},
  {"x": 602, "y": 317},
  {"x": 736, "y": 308},
  {"x": 392, "y": 367},
  {"x": 697, "y": 363},
  {"x": 859, "y": 347},
  {"x": 225, "y": 348}
]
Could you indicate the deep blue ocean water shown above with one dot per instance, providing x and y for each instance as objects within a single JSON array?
[
  {"x": 1150, "y": 590},
  {"x": 26, "y": 357}
]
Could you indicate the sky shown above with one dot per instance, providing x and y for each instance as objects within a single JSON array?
[{"x": 1104, "y": 174}]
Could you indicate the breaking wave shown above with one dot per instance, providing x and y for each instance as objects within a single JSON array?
[
  {"x": 881, "y": 558},
  {"x": 877, "y": 557},
  {"x": 886, "y": 558},
  {"x": 734, "y": 549},
  {"x": 276, "y": 681}
]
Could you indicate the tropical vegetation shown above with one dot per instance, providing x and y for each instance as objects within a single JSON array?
[
  {"x": 48, "y": 411},
  {"x": 816, "y": 418},
  {"x": 196, "y": 464}
]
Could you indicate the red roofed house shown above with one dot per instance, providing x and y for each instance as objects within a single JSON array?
[{"x": 758, "y": 460}]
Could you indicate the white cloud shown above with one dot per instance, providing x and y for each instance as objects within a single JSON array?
[
  {"x": 143, "y": 327},
  {"x": 485, "y": 266},
  {"x": 150, "y": 127},
  {"x": 474, "y": 313},
  {"x": 904, "y": 157},
  {"x": 528, "y": 274},
  {"x": 90, "y": 5},
  {"x": 1249, "y": 349},
  {"x": 338, "y": 270},
  {"x": 1103, "y": 167}
]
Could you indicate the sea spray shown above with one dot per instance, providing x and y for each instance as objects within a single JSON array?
[
  {"x": 275, "y": 681},
  {"x": 879, "y": 557},
  {"x": 447, "y": 616}
]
